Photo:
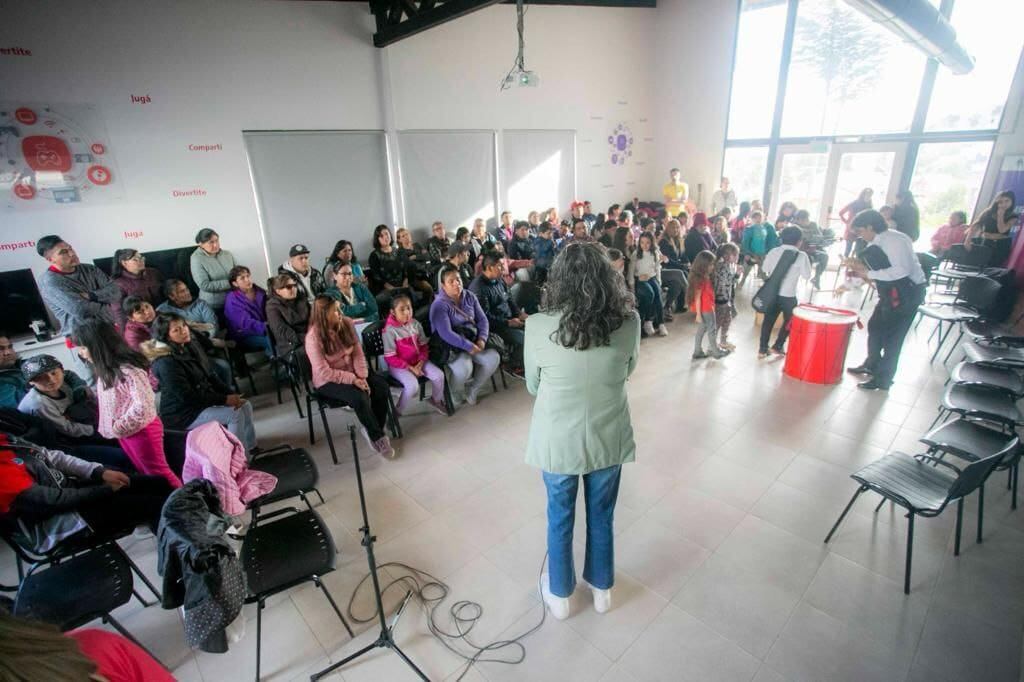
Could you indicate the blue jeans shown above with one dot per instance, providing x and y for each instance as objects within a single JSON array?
[
  {"x": 600, "y": 491},
  {"x": 237, "y": 421},
  {"x": 648, "y": 300}
]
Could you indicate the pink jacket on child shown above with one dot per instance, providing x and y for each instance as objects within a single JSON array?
[
  {"x": 126, "y": 407},
  {"x": 214, "y": 453},
  {"x": 404, "y": 344}
]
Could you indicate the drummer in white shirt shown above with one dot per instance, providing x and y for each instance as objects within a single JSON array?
[
  {"x": 890, "y": 262},
  {"x": 796, "y": 267}
]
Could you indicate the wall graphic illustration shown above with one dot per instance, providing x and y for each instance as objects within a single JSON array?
[
  {"x": 52, "y": 155},
  {"x": 620, "y": 143}
]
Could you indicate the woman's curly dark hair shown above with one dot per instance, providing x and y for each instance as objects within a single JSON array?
[{"x": 589, "y": 296}]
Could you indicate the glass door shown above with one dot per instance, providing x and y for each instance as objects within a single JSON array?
[
  {"x": 856, "y": 167},
  {"x": 800, "y": 176}
]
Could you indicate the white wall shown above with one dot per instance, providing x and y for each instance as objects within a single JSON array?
[
  {"x": 694, "y": 45},
  {"x": 213, "y": 70}
]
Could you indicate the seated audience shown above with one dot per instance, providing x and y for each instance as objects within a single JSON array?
[
  {"x": 127, "y": 404},
  {"x": 406, "y": 350},
  {"x": 506, "y": 228},
  {"x": 953, "y": 232},
  {"x": 674, "y": 266},
  {"x": 458, "y": 258},
  {"x": 13, "y": 386},
  {"x": 608, "y": 233},
  {"x": 647, "y": 270},
  {"x": 740, "y": 222},
  {"x": 139, "y": 314},
  {"x": 414, "y": 258},
  {"x": 478, "y": 237},
  {"x": 244, "y": 310},
  {"x": 588, "y": 214},
  {"x": 75, "y": 292},
  {"x": 60, "y": 397},
  {"x": 497, "y": 248},
  {"x": 459, "y": 321},
  {"x": 191, "y": 393},
  {"x": 758, "y": 239},
  {"x": 211, "y": 267},
  {"x": 618, "y": 264},
  {"x": 129, "y": 272},
  {"x": 521, "y": 248},
  {"x": 579, "y": 233},
  {"x": 287, "y": 314},
  {"x": 719, "y": 230},
  {"x": 815, "y": 241},
  {"x": 197, "y": 313},
  {"x": 437, "y": 244},
  {"x": 626, "y": 245},
  {"x": 357, "y": 303},
  {"x": 340, "y": 372},
  {"x": 308, "y": 277},
  {"x": 84, "y": 654},
  {"x": 343, "y": 252},
  {"x": 387, "y": 269},
  {"x": 543, "y": 253},
  {"x": 699, "y": 237},
  {"x": 504, "y": 317},
  {"x": 55, "y": 497}
]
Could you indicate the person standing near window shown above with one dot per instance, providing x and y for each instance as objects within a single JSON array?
[
  {"x": 723, "y": 197},
  {"x": 907, "y": 216},
  {"x": 675, "y": 192},
  {"x": 580, "y": 349},
  {"x": 849, "y": 212}
]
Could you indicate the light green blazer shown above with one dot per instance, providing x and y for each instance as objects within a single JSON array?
[{"x": 581, "y": 415}]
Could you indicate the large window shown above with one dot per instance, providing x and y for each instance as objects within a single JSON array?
[
  {"x": 947, "y": 177},
  {"x": 756, "y": 69},
  {"x": 858, "y": 102},
  {"x": 991, "y": 32},
  {"x": 848, "y": 75},
  {"x": 746, "y": 167}
]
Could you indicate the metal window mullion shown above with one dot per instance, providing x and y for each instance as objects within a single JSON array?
[{"x": 780, "y": 99}]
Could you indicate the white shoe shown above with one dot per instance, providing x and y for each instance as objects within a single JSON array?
[
  {"x": 558, "y": 606},
  {"x": 662, "y": 331},
  {"x": 649, "y": 328},
  {"x": 602, "y": 599},
  {"x": 471, "y": 397},
  {"x": 383, "y": 448}
]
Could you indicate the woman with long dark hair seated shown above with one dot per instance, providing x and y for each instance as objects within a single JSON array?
[
  {"x": 191, "y": 393},
  {"x": 580, "y": 349},
  {"x": 340, "y": 371},
  {"x": 343, "y": 253}
]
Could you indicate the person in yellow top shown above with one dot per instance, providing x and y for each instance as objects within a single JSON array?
[{"x": 676, "y": 193}]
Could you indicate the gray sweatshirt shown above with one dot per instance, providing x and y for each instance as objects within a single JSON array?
[
  {"x": 65, "y": 413},
  {"x": 211, "y": 275},
  {"x": 75, "y": 297}
]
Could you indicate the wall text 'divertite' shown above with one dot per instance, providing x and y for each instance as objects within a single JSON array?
[{"x": 188, "y": 193}]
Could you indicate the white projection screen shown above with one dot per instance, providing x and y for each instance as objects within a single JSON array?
[
  {"x": 446, "y": 176},
  {"x": 316, "y": 187},
  {"x": 538, "y": 171}
]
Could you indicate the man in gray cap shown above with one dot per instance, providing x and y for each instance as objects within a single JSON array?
[{"x": 310, "y": 279}]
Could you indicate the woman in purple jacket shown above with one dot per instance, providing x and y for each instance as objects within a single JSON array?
[
  {"x": 456, "y": 317},
  {"x": 245, "y": 310}
]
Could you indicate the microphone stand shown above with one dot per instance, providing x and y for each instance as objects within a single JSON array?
[{"x": 386, "y": 638}]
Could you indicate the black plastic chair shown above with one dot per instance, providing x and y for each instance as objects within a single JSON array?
[
  {"x": 972, "y": 441},
  {"x": 980, "y": 402},
  {"x": 296, "y": 472},
  {"x": 998, "y": 353},
  {"x": 79, "y": 590},
  {"x": 373, "y": 348},
  {"x": 277, "y": 555},
  {"x": 961, "y": 262},
  {"x": 923, "y": 490},
  {"x": 981, "y": 374},
  {"x": 976, "y": 295},
  {"x": 284, "y": 366}
]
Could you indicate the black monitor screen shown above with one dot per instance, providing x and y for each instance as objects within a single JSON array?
[{"x": 21, "y": 302}]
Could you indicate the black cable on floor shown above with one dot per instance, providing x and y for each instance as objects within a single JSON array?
[{"x": 430, "y": 592}]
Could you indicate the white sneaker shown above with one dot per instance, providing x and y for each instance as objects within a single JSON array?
[
  {"x": 383, "y": 448},
  {"x": 662, "y": 331},
  {"x": 649, "y": 328},
  {"x": 558, "y": 606},
  {"x": 602, "y": 599},
  {"x": 471, "y": 396}
]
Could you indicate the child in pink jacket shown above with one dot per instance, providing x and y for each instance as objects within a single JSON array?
[
  {"x": 405, "y": 351},
  {"x": 127, "y": 404}
]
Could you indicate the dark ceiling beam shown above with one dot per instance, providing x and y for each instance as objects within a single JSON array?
[
  {"x": 589, "y": 3},
  {"x": 427, "y": 15}
]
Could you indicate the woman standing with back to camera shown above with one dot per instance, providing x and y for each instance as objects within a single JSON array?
[{"x": 580, "y": 349}]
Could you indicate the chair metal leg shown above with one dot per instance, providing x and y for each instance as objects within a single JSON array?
[
  {"x": 109, "y": 618},
  {"x": 315, "y": 490},
  {"x": 981, "y": 509},
  {"x": 954, "y": 346},
  {"x": 879, "y": 507},
  {"x": 937, "y": 417},
  {"x": 327, "y": 593},
  {"x": 274, "y": 367},
  {"x": 910, "y": 552},
  {"x": 396, "y": 428},
  {"x": 504, "y": 383},
  {"x": 327, "y": 433},
  {"x": 959, "y": 525},
  {"x": 145, "y": 604},
  {"x": 1013, "y": 499},
  {"x": 138, "y": 572},
  {"x": 309, "y": 419},
  {"x": 295, "y": 397},
  {"x": 845, "y": 512},
  {"x": 259, "y": 637}
]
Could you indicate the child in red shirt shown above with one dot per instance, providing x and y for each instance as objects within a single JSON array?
[{"x": 702, "y": 301}]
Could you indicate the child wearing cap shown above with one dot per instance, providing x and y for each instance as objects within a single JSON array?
[{"x": 58, "y": 396}]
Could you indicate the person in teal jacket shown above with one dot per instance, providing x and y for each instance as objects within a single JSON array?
[
  {"x": 758, "y": 239},
  {"x": 13, "y": 385},
  {"x": 356, "y": 300},
  {"x": 578, "y": 355}
]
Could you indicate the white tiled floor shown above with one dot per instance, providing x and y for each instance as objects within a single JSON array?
[{"x": 721, "y": 569}]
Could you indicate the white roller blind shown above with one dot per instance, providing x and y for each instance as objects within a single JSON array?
[
  {"x": 538, "y": 171},
  {"x": 318, "y": 187},
  {"x": 446, "y": 176}
]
